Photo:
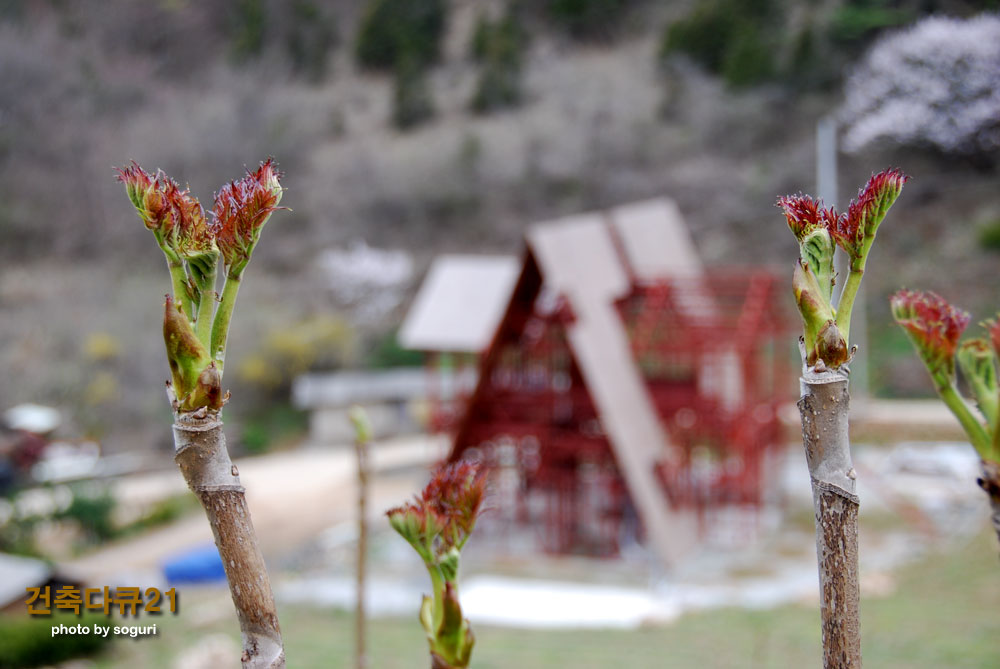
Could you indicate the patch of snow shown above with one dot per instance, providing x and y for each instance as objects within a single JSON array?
[{"x": 508, "y": 602}]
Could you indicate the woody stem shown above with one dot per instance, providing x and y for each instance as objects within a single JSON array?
[
  {"x": 202, "y": 457},
  {"x": 824, "y": 408}
]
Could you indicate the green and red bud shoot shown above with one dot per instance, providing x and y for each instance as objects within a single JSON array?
[
  {"x": 196, "y": 323},
  {"x": 815, "y": 310},
  {"x": 150, "y": 195},
  {"x": 802, "y": 214},
  {"x": 362, "y": 424},
  {"x": 241, "y": 210},
  {"x": 818, "y": 230},
  {"x": 934, "y": 327},
  {"x": 437, "y": 523}
]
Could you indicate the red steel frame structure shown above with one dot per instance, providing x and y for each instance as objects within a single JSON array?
[{"x": 532, "y": 417}]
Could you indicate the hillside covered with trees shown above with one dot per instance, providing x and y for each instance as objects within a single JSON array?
[{"x": 449, "y": 126}]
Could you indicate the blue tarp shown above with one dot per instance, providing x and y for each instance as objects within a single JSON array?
[{"x": 198, "y": 565}]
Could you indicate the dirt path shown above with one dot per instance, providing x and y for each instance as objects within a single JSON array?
[{"x": 292, "y": 495}]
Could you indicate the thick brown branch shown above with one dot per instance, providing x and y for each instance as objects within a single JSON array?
[
  {"x": 824, "y": 410},
  {"x": 201, "y": 455}
]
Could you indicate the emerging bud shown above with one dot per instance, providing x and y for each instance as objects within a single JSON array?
[
  {"x": 934, "y": 327},
  {"x": 831, "y": 347},
  {"x": 992, "y": 326},
  {"x": 241, "y": 210},
  {"x": 207, "y": 391},
  {"x": 419, "y": 525},
  {"x": 451, "y": 623},
  {"x": 362, "y": 424},
  {"x": 855, "y": 230},
  {"x": 802, "y": 214},
  {"x": 151, "y": 195},
  {"x": 808, "y": 221},
  {"x": 452, "y": 645},
  {"x": 823, "y": 340},
  {"x": 978, "y": 363},
  {"x": 437, "y": 524},
  {"x": 194, "y": 235},
  {"x": 456, "y": 493},
  {"x": 443, "y": 515},
  {"x": 194, "y": 240},
  {"x": 176, "y": 218},
  {"x": 193, "y": 383}
]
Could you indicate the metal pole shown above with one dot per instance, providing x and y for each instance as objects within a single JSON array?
[
  {"x": 826, "y": 189},
  {"x": 362, "y": 443}
]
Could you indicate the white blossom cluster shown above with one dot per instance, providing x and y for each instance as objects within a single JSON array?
[
  {"x": 370, "y": 282},
  {"x": 937, "y": 83}
]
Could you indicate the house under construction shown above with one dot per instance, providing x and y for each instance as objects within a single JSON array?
[{"x": 625, "y": 392}]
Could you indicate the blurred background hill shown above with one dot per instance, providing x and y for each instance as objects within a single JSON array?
[{"x": 408, "y": 129}]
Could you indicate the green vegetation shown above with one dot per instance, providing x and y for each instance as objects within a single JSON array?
[
  {"x": 248, "y": 29},
  {"x": 393, "y": 31},
  {"x": 412, "y": 103},
  {"x": 91, "y": 509},
  {"x": 498, "y": 46},
  {"x": 28, "y": 642},
  {"x": 731, "y": 38},
  {"x": 388, "y": 353},
  {"x": 748, "y": 43},
  {"x": 989, "y": 235},
  {"x": 404, "y": 37},
  {"x": 161, "y": 513},
  {"x": 588, "y": 19},
  {"x": 17, "y": 537},
  {"x": 311, "y": 37},
  {"x": 749, "y": 59},
  {"x": 315, "y": 343},
  {"x": 92, "y": 512},
  {"x": 941, "y": 614},
  {"x": 859, "y": 20},
  {"x": 273, "y": 423}
]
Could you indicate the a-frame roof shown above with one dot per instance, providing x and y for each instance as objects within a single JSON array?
[
  {"x": 459, "y": 304},
  {"x": 591, "y": 261},
  {"x": 655, "y": 240},
  {"x": 580, "y": 258}
]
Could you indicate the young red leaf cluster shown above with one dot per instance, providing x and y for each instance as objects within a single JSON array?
[
  {"x": 178, "y": 219},
  {"x": 866, "y": 212},
  {"x": 444, "y": 514},
  {"x": 455, "y": 493},
  {"x": 174, "y": 215},
  {"x": 933, "y": 325},
  {"x": 848, "y": 230},
  {"x": 802, "y": 213},
  {"x": 241, "y": 209}
]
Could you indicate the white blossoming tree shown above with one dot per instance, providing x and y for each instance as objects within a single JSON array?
[{"x": 934, "y": 84}]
